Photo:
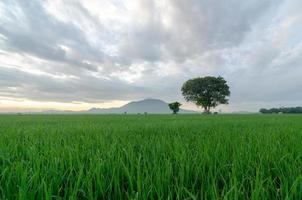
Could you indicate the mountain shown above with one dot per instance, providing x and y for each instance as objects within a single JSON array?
[{"x": 153, "y": 106}]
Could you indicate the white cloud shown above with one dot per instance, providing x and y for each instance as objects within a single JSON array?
[{"x": 98, "y": 51}]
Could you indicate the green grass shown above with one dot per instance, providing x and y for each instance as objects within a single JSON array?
[{"x": 151, "y": 157}]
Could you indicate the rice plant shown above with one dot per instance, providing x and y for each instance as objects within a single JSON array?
[{"x": 150, "y": 157}]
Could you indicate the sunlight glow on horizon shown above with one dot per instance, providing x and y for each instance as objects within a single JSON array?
[{"x": 24, "y": 105}]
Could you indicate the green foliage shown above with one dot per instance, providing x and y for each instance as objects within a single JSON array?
[
  {"x": 151, "y": 157},
  {"x": 207, "y": 92},
  {"x": 288, "y": 110},
  {"x": 174, "y": 107}
]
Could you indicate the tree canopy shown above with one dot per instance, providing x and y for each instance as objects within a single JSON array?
[
  {"x": 281, "y": 110},
  {"x": 207, "y": 92},
  {"x": 174, "y": 107}
]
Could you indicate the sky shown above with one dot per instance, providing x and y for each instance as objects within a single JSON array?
[{"x": 78, "y": 54}]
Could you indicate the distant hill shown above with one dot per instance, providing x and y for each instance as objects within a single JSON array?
[{"x": 153, "y": 106}]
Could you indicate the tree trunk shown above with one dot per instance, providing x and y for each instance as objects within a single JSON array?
[{"x": 207, "y": 110}]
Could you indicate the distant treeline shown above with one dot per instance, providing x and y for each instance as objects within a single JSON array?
[{"x": 281, "y": 110}]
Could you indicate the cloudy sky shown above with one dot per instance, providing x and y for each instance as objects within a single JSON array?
[{"x": 77, "y": 54}]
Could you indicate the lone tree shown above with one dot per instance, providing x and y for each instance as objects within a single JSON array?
[
  {"x": 207, "y": 92},
  {"x": 174, "y": 107}
]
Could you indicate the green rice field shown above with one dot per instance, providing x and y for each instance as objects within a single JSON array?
[{"x": 150, "y": 157}]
